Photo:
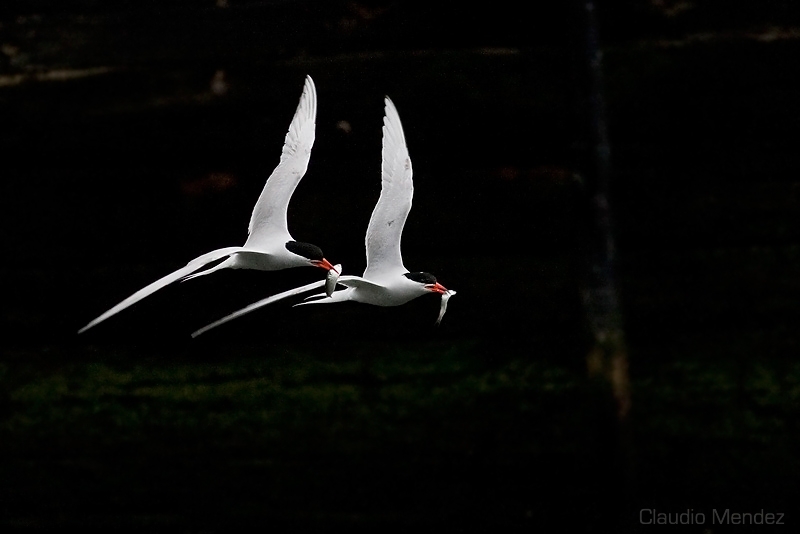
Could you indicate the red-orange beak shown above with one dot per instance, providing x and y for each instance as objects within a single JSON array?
[
  {"x": 324, "y": 264},
  {"x": 436, "y": 288}
]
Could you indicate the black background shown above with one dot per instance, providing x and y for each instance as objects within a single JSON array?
[{"x": 121, "y": 163}]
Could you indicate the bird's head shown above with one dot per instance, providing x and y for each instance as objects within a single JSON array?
[
  {"x": 311, "y": 253},
  {"x": 427, "y": 282}
]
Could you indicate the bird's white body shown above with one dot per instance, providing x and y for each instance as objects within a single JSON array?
[
  {"x": 268, "y": 233},
  {"x": 385, "y": 281},
  {"x": 269, "y": 255},
  {"x": 393, "y": 292}
]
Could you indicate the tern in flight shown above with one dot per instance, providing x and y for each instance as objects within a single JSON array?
[
  {"x": 269, "y": 246},
  {"x": 386, "y": 282}
]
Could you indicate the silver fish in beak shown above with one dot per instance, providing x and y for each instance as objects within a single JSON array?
[
  {"x": 443, "y": 308},
  {"x": 331, "y": 278}
]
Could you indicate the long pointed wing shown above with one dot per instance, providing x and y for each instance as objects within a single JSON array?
[
  {"x": 162, "y": 282},
  {"x": 346, "y": 280},
  {"x": 269, "y": 213},
  {"x": 260, "y": 304},
  {"x": 397, "y": 189}
]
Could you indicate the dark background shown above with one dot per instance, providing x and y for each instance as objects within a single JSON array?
[{"x": 137, "y": 135}]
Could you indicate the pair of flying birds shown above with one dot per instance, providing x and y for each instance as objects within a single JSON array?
[{"x": 270, "y": 247}]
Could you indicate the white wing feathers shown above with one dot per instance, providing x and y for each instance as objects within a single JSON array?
[
  {"x": 346, "y": 280},
  {"x": 259, "y": 304},
  {"x": 269, "y": 213},
  {"x": 164, "y": 281},
  {"x": 397, "y": 189}
]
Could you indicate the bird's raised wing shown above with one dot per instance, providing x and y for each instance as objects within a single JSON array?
[
  {"x": 397, "y": 189},
  {"x": 164, "y": 281},
  {"x": 269, "y": 214}
]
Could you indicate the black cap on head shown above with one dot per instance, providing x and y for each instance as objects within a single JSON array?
[
  {"x": 307, "y": 250},
  {"x": 422, "y": 278}
]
